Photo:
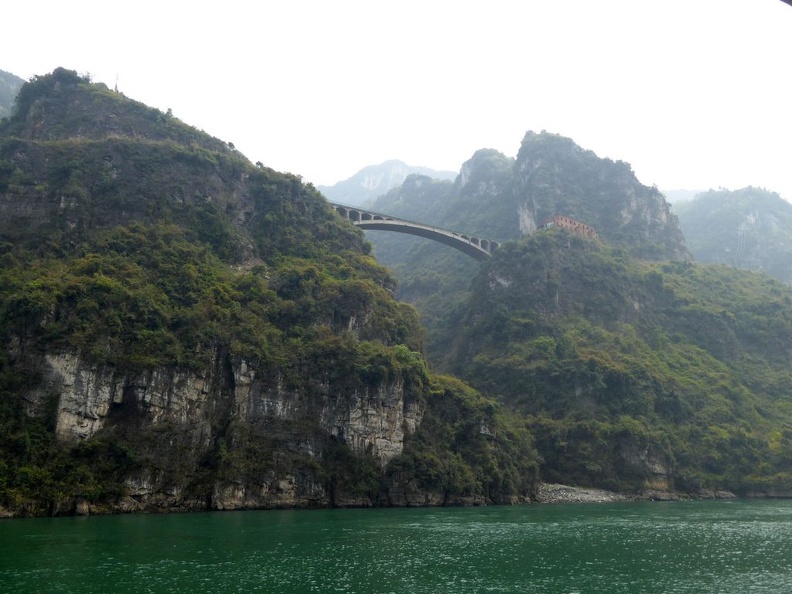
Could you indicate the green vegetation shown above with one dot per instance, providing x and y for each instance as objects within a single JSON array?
[
  {"x": 467, "y": 449},
  {"x": 234, "y": 342},
  {"x": 504, "y": 199},
  {"x": 630, "y": 372},
  {"x": 163, "y": 260}
]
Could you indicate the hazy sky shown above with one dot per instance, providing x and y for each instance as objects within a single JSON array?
[{"x": 694, "y": 94}]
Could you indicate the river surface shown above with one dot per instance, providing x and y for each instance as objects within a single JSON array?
[{"x": 714, "y": 547}]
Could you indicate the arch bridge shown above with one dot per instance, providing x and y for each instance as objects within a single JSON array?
[{"x": 479, "y": 248}]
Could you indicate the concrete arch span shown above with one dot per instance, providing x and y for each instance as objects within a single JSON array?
[{"x": 477, "y": 247}]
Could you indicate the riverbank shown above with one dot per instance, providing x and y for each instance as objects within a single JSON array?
[
  {"x": 547, "y": 493},
  {"x": 555, "y": 493}
]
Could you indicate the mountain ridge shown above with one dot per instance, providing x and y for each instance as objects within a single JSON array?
[{"x": 375, "y": 180}]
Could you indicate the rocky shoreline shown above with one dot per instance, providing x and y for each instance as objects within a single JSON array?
[
  {"x": 555, "y": 493},
  {"x": 547, "y": 493}
]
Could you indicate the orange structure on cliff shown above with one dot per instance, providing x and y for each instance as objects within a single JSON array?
[{"x": 570, "y": 224}]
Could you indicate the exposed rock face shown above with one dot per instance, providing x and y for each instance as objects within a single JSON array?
[
  {"x": 527, "y": 218},
  {"x": 554, "y": 176},
  {"x": 508, "y": 198},
  {"x": 185, "y": 407},
  {"x": 373, "y": 421},
  {"x": 655, "y": 467}
]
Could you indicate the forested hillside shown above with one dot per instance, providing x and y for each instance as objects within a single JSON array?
[
  {"x": 749, "y": 228},
  {"x": 184, "y": 330},
  {"x": 634, "y": 372},
  {"x": 633, "y": 366}
]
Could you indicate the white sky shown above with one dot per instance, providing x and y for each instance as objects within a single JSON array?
[{"x": 694, "y": 94}]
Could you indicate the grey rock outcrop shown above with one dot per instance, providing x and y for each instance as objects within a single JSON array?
[{"x": 191, "y": 411}]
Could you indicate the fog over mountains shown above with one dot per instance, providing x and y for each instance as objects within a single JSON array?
[
  {"x": 375, "y": 180},
  {"x": 9, "y": 87},
  {"x": 749, "y": 228}
]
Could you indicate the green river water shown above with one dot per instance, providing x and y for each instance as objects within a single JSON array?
[{"x": 716, "y": 547}]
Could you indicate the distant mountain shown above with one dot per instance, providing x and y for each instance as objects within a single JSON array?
[
  {"x": 376, "y": 180},
  {"x": 676, "y": 196},
  {"x": 9, "y": 87},
  {"x": 506, "y": 198},
  {"x": 749, "y": 228},
  {"x": 503, "y": 198}
]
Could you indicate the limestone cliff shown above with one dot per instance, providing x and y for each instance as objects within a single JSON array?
[
  {"x": 553, "y": 175},
  {"x": 9, "y": 87},
  {"x": 187, "y": 405},
  {"x": 503, "y": 198}
]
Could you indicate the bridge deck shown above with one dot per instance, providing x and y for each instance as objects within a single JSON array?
[{"x": 477, "y": 247}]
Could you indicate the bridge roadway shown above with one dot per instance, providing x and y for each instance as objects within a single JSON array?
[{"x": 478, "y": 247}]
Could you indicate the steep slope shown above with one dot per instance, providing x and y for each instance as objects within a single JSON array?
[
  {"x": 555, "y": 176},
  {"x": 183, "y": 330},
  {"x": 635, "y": 374},
  {"x": 749, "y": 228},
  {"x": 431, "y": 276},
  {"x": 376, "y": 180}
]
